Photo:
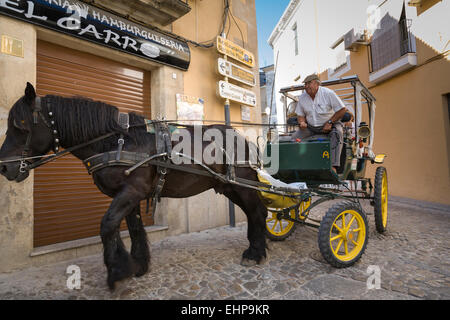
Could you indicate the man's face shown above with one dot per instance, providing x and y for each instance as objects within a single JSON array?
[{"x": 311, "y": 87}]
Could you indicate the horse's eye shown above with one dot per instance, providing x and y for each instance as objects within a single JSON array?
[{"x": 19, "y": 125}]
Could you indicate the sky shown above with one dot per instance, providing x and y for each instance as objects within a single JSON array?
[{"x": 268, "y": 12}]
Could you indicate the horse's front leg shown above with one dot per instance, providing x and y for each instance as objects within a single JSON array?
[
  {"x": 139, "y": 244},
  {"x": 118, "y": 261}
]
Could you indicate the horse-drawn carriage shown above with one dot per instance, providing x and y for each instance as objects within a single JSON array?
[
  {"x": 343, "y": 231},
  {"x": 132, "y": 159}
]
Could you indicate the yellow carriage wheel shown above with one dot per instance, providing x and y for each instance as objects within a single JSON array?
[
  {"x": 380, "y": 199},
  {"x": 277, "y": 228},
  {"x": 343, "y": 234}
]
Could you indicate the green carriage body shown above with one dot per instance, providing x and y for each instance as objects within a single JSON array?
[{"x": 309, "y": 161}]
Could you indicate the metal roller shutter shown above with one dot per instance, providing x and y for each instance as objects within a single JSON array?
[{"x": 67, "y": 204}]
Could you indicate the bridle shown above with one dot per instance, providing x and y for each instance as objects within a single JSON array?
[{"x": 37, "y": 114}]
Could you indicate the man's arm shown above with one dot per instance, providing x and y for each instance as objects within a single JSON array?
[
  {"x": 302, "y": 122},
  {"x": 337, "y": 104},
  {"x": 301, "y": 117},
  {"x": 336, "y": 117}
]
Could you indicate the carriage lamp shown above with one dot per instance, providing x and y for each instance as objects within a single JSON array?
[{"x": 363, "y": 131}]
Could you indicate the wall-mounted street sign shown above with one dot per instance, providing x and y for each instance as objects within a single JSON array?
[
  {"x": 238, "y": 94},
  {"x": 87, "y": 22},
  {"x": 12, "y": 46},
  {"x": 236, "y": 72},
  {"x": 234, "y": 51}
]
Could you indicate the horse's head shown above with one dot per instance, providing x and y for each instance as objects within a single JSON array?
[{"x": 28, "y": 135}]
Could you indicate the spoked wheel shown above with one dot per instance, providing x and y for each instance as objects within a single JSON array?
[
  {"x": 277, "y": 228},
  {"x": 343, "y": 234},
  {"x": 381, "y": 199}
]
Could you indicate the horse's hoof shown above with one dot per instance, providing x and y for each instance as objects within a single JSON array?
[
  {"x": 141, "y": 272},
  {"x": 139, "y": 269},
  {"x": 247, "y": 262},
  {"x": 111, "y": 284},
  {"x": 263, "y": 260}
]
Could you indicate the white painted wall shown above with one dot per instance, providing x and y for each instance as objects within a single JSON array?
[{"x": 321, "y": 22}]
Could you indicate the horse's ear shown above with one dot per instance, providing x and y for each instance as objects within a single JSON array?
[{"x": 30, "y": 93}]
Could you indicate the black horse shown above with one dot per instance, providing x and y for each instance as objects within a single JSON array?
[{"x": 38, "y": 125}]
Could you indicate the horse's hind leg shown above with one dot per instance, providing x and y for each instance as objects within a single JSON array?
[
  {"x": 249, "y": 201},
  {"x": 119, "y": 263},
  {"x": 139, "y": 243}
]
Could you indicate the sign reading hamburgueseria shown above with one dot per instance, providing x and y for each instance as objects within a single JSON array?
[
  {"x": 238, "y": 94},
  {"x": 235, "y": 72},
  {"x": 234, "y": 51},
  {"x": 90, "y": 23}
]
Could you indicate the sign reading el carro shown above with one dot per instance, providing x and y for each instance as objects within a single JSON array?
[
  {"x": 236, "y": 72},
  {"x": 238, "y": 94},
  {"x": 234, "y": 51},
  {"x": 90, "y": 23}
]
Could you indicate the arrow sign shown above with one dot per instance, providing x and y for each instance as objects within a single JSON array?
[
  {"x": 234, "y": 51},
  {"x": 236, "y": 72},
  {"x": 238, "y": 94}
]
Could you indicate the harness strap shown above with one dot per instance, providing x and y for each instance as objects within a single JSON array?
[
  {"x": 101, "y": 160},
  {"x": 120, "y": 143},
  {"x": 163, "y": 146}
]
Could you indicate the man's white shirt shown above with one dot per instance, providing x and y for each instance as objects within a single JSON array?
[{"x": 318, "y": 112}]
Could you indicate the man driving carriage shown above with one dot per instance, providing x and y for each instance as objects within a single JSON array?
[{"x": 319, "y": 111}]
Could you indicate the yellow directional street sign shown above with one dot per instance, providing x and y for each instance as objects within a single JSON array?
[
  {"x": 235, "y": 93},
  {"x": 234, "y": 51},
  {"x": 236, "y": 72}
]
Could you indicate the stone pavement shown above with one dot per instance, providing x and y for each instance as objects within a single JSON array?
[{"x": 413, "y": 257}]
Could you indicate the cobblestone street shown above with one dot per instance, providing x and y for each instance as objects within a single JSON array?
[{"x": 413, "y": 256}]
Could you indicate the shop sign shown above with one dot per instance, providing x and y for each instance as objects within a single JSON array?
[
  {"x": 236, "y": 72},
  {"x": 237, "y": 94},
  {"x": 90, "y": 23},
  {"x": 234, "y": 51}
]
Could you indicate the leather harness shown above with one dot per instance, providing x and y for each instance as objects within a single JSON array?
[{"x": 125, "y": 158}]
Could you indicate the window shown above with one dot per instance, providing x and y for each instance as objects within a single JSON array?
[
  {"x": 405, "y": 36},
  {"x": 294, "y": 28}
]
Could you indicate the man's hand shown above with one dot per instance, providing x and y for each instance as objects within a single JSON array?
[
  {"x": 302, "y": 122},
  {"x": 327, "y": 127}
]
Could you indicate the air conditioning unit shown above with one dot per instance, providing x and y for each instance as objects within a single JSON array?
[{"x": 352, "y": 41}]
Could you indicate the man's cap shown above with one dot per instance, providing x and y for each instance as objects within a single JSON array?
[{"x": 311, "y": 77}]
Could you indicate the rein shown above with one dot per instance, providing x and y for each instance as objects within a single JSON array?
[
  {"x": 37, "y": 113},
  {"x": 66, "y": 151},
  {"x": 132, "y": 160}
]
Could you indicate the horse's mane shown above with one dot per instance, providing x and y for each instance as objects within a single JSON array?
[{"x": 79, "y": 119}]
